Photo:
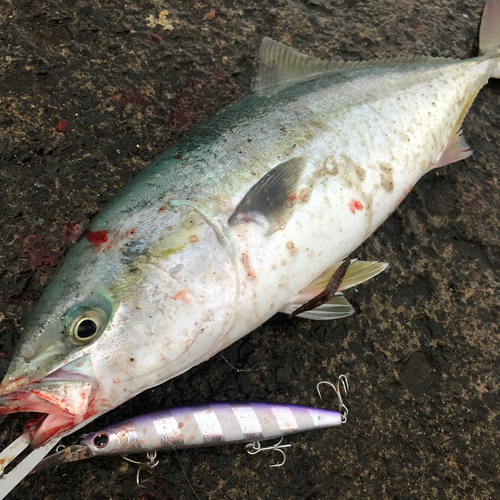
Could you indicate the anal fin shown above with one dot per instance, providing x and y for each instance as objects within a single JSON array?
[{"x": 456, "y": 149}]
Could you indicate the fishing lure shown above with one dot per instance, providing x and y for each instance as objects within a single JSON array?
[{"x": 205, "y": 424}]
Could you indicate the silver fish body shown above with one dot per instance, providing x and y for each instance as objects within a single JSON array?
[{"x": 240, "y": 220}]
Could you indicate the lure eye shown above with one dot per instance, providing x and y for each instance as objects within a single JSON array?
[
  {"x": 101, "y": 440},
  {"x": 87, "y": 326}
]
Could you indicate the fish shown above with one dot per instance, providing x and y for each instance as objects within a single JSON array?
[
  {"x": 148, "y": 248},
  {"x": 204, "y": 424}
]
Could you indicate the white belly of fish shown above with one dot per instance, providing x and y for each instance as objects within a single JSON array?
[{"x": 359, "y": 168}]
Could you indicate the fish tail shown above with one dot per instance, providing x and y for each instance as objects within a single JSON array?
[{"x": 489, "y": 34}]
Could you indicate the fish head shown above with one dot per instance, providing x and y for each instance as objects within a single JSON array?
[
  {"x": 120, "y": 317},
  {"x": 52, "y": 370}
]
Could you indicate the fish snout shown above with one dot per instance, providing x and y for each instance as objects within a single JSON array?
[{"x": 65, "y": 396}]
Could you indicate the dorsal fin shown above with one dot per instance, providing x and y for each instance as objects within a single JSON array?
[{"x": 280, "y": 66}]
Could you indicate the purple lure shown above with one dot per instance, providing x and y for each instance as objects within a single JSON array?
[{"x": 206, "y": 424}]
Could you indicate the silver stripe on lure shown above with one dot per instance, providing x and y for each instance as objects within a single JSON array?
[
  {"x": 285, "y": 418},
  {"x": 248, "y": 421},
  {"x": 209, "y": 425},
  {"x": 167, "y": 429}
]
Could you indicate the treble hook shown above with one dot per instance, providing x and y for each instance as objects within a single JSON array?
[
  {"x": 152, "y": 463},
  {"x": 345, "y": 384},
  {"x": 255, "y": 447},
  {"x": 62, "y": 447}
]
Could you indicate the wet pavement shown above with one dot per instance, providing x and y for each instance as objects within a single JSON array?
[{"x": 91, "y": 92}]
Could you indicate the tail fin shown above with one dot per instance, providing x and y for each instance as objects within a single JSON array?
[{"x": 489, "y": 33}]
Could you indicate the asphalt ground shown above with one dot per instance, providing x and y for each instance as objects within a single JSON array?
[{"x": 91, "y": 92}]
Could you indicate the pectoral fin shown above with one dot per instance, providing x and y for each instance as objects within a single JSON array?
[{"x": 267, "y": 202}]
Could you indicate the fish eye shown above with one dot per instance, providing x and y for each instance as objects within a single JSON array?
[
  {"x": 87, "y": 326},
  {"x": 101, "y": 440}
]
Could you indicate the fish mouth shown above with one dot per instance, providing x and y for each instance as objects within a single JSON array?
[{"x": 64, "y": 399}]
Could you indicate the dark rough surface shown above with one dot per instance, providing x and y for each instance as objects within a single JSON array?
[{"x": 422, "y": 354}]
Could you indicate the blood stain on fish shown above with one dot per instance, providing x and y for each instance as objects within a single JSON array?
[
  {"x": 97, "y": 238},
  {"x": 245, "y": 260},
  {"x": 355, "y": 205},
  {"x": 182, "y": 295}
]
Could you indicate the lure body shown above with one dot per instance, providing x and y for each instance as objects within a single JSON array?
[
  {"x": 208, "y": 424},
  {"x": 199, "y": 425}
]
